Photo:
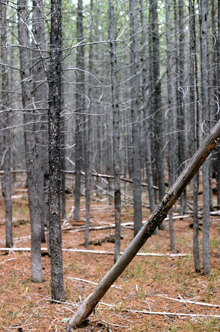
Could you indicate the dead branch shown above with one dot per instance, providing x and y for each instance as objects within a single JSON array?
[
  {"x": 165, "y": 313},
  {"x": 188, "y": 301},
  {"x": 99, "y": 252}
]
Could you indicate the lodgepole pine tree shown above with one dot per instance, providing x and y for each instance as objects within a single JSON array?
[
  {"x": 6, "y": 139},
  {"x": 57, "y": 286},
  {"x": 116, "y": 133},
  {"x": 30, "y": 142}
]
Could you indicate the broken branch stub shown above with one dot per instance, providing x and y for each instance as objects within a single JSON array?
[{"x": 147, "y": 230}]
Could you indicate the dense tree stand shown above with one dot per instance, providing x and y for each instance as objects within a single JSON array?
[{"x": 147, "y": 230}]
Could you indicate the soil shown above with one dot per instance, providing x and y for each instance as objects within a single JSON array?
[{"x": 149, "y": 295}]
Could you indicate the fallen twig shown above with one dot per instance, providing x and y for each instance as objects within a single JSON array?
[
  {"x": 188, "y": 301},
  {"x": 165, "y": 313}
]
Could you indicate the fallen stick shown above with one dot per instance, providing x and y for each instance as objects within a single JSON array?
[
  {"x": 165, "y": 313},
  {"x": 147, "y": 230},
  {"x": 188, "y": 301},
  {"x": 99, "y": 252}
]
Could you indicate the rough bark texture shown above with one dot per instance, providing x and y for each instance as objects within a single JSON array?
[
  {"x": 40, "y": 98},
  {"x": 146, "y": 112},
  {"x": 7, "y": 138},
  {"x": 80, "y": 79},
  {"x": 181, "y": 101},
  {"x": 89, "y": 132},
  {"x": 134, "y": 81},
  {"x": 57, "y": 286},
  {"x": 218, "y": 77},
  {"x": 156, "y": 103},
  {"x": 170, "y": 115},
  {"x": 116, "y": 133},
  {"x": 193, "y": 138},
  {"x": 206, "y": 118},
  {"x": 146, "y": 231},
  {"x": 30, "y": 144}
]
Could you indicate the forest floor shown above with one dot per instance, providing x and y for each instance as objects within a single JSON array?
[{"x": 150, "y": 295}]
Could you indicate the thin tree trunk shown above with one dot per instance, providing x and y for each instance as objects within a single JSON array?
[
  {"x": 6, "y": 138},
  {"x": 181, "y": 100},
  {"x": 134, "y": 81},
  {"x": 116, "y": 133},
  {"x": 30, "y": 144},
  {"x": 146, "y": 231},
  {"x": 206, "y": 118},
  {"x": 89, "y": 132},
  {"x": 193, "y": 140},
  {"x": 172, "y": 143},
  {"x": 40, "y": 97},
  {"x": 156, "y": 103},
  {"x": 57, "y": 286},
  {"x": 80, "y": 79},
  {"x": 217, "y": 116}
]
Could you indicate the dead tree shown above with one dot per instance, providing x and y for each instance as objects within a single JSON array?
[{"x": 147, "y": 230}]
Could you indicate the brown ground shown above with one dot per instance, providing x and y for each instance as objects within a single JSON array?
[{"x": 144, "y": 286}]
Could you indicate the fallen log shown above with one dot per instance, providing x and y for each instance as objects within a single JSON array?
[{"x": 147, "y": 230}]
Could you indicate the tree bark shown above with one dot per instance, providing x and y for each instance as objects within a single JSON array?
[
  {"x": 206, "y": 118},
  {"x": 193, "y": 127},
  {"x": 57, "y": 286},
  {"x": 146, "y": 231},
  {"x": 89, "y": 132},
  {"x": 181, "y": 101},
  {"x": 80, "y": 79},
  {"x": 40, "y": 98},
  {"x": 6, "y": 123},
  {"x": 146, "y": 112},
  {"x": 116, "y": 133},
  {"x": 156, "y": 104},
  {"x": 134, "y": 81},
  {"x": 30, "y": 143},
  {"x": 172, "y": 143}
]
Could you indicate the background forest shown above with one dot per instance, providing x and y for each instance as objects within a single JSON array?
[{"x": 119, "y": 94}]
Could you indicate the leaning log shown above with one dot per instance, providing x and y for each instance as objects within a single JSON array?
[{"x": 147, "y": 230}]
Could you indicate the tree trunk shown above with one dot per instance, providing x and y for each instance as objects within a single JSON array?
[
  {"x": 116, "y": 133},
  {"x": 40, "y": 97},
  {"x": 206, "y": 118},
  {"x": 156, "y": 104},
  {"x": 218, "y": 75},
  {"x": 6, "y": 123},
  {"x": 57, "y": 286},
  {"x": 30, "y": 144},
  {"x": 181, "y": 101},
  {"x": 80, "y": 79},
  {"x": 134, "y": 81},
  {"x": 146, "y": 112},
  {"x": 89, "y": 132},
  {"x": 146, "y": 231},
  {"x": 193, "y": 138},
  {"x": 172, "y": 143}
]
